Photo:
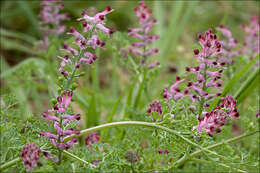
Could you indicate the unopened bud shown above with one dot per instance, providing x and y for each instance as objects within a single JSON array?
[{"x": 74, "y": 86}]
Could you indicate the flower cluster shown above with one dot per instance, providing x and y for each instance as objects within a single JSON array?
[
  {"x": 31, "y": 154},
  {"x": 218, "y": 117},
  {"x": 142, "y": 33},
  {"x": 165, "y": 152},
  {"x": 155, "y": 106},
  {"x": 206, "y": 79},
  {"x": 92, "y": 137},
  {"x": 91, "y": 25},
  {"x": 251, "y": 44},
  {"x": 51, "y": 18},
  {"x": 228, "y": 52},
  {"x": 61, "y": 121}
]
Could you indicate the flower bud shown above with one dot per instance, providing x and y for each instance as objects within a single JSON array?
[
  {"x": 53, "y": 101},
  {"x": 61, "y": 79},
  {"x": 74, "y": 86}
]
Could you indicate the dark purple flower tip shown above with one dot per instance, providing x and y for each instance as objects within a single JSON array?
[
  {"x": 156, "y": 50},
  {"x": 197, "y": 68},
  {"x": 70, "y": 93},
  {"x": 219, "y": 84},
  {"x": 66, "y": 57},
  {"x": 84, "y": 24},
  {"x": 77, "y": 117},
  {"x": 77, "y": 65},
  {"x": 208, "y": 44},
  {"x": 220, "y": 71},
  {"x": 218, "y": 94},
  {"x": 103, "y": 43},
  {"x": 159, "y": 151},
  {"x": 59, "y": 99},
  {"x": 218, "y": 130},
  {"x": 108, "y": 8},
  {"x": 186, "y": 92},
  {"x": 196, "y": 51},
  {"x": 210, "y": 30},
  {"x": 177, "y": 90},
  {"x": 98, "y": 42},
  {"x": 218, "y": 45},
  {"x": 166, "y": 152},
  {"x": 101, "y": 17},
  {"x": 189, "y": 84},
  {"x": 65, "y": 46},
  {"x": 72, "y": 29},
  {"x": 206, "y": 105},
  {"x": 112, "y": 30},
  {"x": 84, "y": 13},
  {"x": 187, "y": 69},
  {"x": 215, "y": 63},
  {"x": 178, "y": 78}
]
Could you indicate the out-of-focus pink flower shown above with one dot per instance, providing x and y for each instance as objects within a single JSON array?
[
  {"x": 155, "y": 106},
  {"x": 51, "y": 18},
  {"x": 140, "y": 48},
  {"x": 218, "y": 117},
  {"x": 251, "y": 40},
  {"x": 31, "y": 154},
  {"x": 228, "y": 44},
  {"x": 92, "y": 137}
]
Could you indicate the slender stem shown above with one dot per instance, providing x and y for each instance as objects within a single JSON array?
[
  {"x": 182, "y": 160},
  {"x": 221, "y": 164},
  {"x": 139, "y": 123},
  {"x": 10, "y": 163},
  {"x": 204, "y": 88},
  {"x": 141, "y": 88},
  {"x": 68, "y": 154}
]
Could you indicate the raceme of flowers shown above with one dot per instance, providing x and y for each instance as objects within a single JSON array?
[
  {"x": 31, "y": 154},
  {"x": 61, "y": 121},
  {"x": 51, "y": 19},
  {"x": 142, "y": 34},
  {"x": 208, "y": 83},
  {"x": 213, "y": 120},
  {"x": 227, "y": 52},
  {"x": 91, "y": 25},
  {"x": 251, "y": 44}
]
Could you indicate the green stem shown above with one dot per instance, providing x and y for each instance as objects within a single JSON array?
[
  {"x": 10, "y": 163},
  {"x": 139, "y": 123},
  {"x": 141, "y": 88},
  {"x": 220, "y": 164},
  {"x": 70, "y": 155},
  {"x": 182, "y": 160},
  {"x": 204, "y": 88}
]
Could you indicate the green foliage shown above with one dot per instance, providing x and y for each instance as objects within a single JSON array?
[{"x": 118, "y": 88}]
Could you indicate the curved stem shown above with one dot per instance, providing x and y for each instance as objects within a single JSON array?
[
  {"x": 182, "y": 160},
  {"x": 11, "y": 163},
  {"x": 68, "y": 154},
  {"x": 140, "y": 123}
]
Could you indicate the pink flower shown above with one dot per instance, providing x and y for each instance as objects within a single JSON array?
[
  {"x": 218, "y": 117},
  {"x": 155, "y": 106},
  {"x": 251, "y": 43},
  {"x": 142, "y": 33},
  {"x": 92, "y": 137}
]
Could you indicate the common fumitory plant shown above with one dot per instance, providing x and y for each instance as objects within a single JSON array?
[
  {"x": 64, "y": 120},
  {"x": 228, "y": 54},
  {"x": 199, "y": 124},
  {"x": 141, "y": 48},
  {"x": 207, "y": 84},
  {"x": 251, "y": 40},
  {"x": 213, "y": 120},
  {"x": 51, "y": 19}
]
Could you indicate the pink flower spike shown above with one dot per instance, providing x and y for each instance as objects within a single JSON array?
[{"x": 51, "y": 117}]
